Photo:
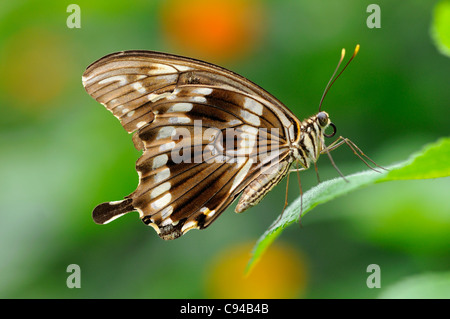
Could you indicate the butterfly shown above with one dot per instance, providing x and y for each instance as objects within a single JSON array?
[{"x": 208, "y": 136}]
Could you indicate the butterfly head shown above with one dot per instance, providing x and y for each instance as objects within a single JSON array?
[{"x": 323, "y": 120}]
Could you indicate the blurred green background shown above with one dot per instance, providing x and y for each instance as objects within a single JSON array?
[{"x": 62, "y": 153}]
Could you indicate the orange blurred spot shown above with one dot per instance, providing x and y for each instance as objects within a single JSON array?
[
  {"x": 218, "y": 29},
  {"x": 280, "y": 273},
  {"x": 34, "y": 65}
]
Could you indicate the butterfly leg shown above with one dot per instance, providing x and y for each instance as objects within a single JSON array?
[
  {"x": 286, "y": 196},
  {"x": 285, "y": 200},
  {"x": 298, "y": 170},
  {"x": 317, "y": 172},
  {"x": 287, "y": 188},
  {"x": 301, "y": 196},
  {"x": 356, "y": 150}
]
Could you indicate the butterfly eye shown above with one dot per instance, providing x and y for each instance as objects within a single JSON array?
[{"x": 322, "y": 117}]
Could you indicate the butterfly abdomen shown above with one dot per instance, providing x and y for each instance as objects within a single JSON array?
[{"x": 259, "y": 188}]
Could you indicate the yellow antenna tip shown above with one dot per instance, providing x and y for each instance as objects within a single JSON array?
[
  {"x": 342, "y": 53},
  {"x": 356, "y": 50}
]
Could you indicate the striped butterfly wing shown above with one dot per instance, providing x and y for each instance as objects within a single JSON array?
[{"x": 206, "y": 134}]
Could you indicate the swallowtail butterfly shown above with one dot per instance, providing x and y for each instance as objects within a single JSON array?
[{"x": 207, "y": 134}]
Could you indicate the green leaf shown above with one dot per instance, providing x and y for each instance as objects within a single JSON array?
[
  {"x": 440, "y": 29},
  {"x": 432, "y": 162},
  {"x": 424, "y": 286}
]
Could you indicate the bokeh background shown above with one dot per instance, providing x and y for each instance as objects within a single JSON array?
[{"x": 62, "y": 153}]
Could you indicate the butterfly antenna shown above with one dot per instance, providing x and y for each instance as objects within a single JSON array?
[{"x": 331, "y": 81}]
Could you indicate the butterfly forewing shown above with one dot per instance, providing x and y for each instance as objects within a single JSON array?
[{"x": 204, "y": 132}]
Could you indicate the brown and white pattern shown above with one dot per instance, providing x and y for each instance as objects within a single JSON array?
[{"x": 204, "y": 132}]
